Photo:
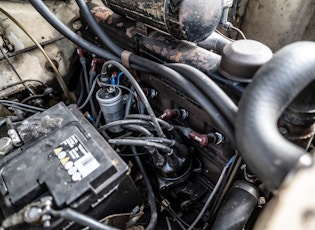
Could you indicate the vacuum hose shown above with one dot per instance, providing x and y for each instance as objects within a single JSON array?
[{"x": 268, "y": 154}]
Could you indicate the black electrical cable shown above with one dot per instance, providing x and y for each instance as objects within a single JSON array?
[
  {"x": 169, "y": 209},
  {"x": 151, "y": 198},
  {"x": 90, "y": 94},
  {"x": 16, "y": 73},
  {"x": 129, "y": 101},
  {"x": 133, "y": 142},
  {"x": 138, "y": 128},
  {"x": 133, "y": 155},
  {"x": 58, "y": 25},
  {"x": 163, "y": 123},
  {"x": 172, "y": 143},
  {"x": 35, "y": 96},
  {"x": 13, "y": 103},
  {"x": 231, "y": 177},
  {"x": 209, "y": 88},
  {"x": 97, "y": 29},
  {"x": 98, "y": 119},
  {"x": 118, "y": 86},
  {"x": 139, "y": 92},
  {"x": 79, "y": 218},
  {"x": 81, "y": 86},
  {"x": 123, "y": 122},
  {"x": 166, "y": 141},
  {"x": 21, "y": 108},
  {"x": 210, "y": 198},
  {"x": 87, "y": 86}
]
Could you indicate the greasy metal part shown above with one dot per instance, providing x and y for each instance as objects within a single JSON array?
[
  {"x": 298, "y": 120},
  {"x": 161, "y": 47},
  {"x": 241, "y": 59},
  {"x": 298, "y": 134},
  {"x": 183, "y": 19},
  {"x": 302, "y": 110},
  {"x": 215, "y": 42},
  {"x": 33, "y": 47},
  {"x": 158, "y": 44},
  {"x": 60, "y": 50},
  {"x": 111, "y": 103}
]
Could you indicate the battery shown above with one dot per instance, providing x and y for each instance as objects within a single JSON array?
[{"x": 64, "y": 157}]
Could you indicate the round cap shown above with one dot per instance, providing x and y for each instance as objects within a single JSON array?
[{"x": 242, "y": 58}]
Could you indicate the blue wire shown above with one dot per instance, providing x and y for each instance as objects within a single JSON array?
[
  {"x": 112, "y": 80},
  {"x": 118, "y": 77},
  {"x": 231, "y": 161}
]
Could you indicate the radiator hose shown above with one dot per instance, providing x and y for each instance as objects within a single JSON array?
[{"x": 267, "y": 153}]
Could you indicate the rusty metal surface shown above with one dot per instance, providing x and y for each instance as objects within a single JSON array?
[
  {"x": 157, "y": 45},
  {"x": 26, "y": 58},
  {"x": 298, "y": 134},
  {"x": 199, "y": 18},
  {"x": 184, "y": 19},
  {"x": 172, "y": 50}
]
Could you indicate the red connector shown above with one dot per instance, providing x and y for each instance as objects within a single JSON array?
[
  {"x": 170, "y": 113},
  {"x": 200, "y": 138}
]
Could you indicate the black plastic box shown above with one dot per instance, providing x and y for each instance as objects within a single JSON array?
[{"x": 66, "y": 158}]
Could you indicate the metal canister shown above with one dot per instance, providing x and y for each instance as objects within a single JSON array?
[
  {"x": 111, "y": 103},
  {"x": 192, "y": 20}
]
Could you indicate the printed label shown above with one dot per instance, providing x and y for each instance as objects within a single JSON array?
[{"x": 76, "y": 159}]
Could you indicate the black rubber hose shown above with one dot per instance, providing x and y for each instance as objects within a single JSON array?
[
  {"x": 58, "y": 25},
  {"x": 268, "y": 154},
  {"x": 79, "y": 218},
  {"x": 240, "y": 203},
  {"x": 151, "y": 198},
  {"x": 85, "y": 11},
  {"x": 223, "y": 102}
]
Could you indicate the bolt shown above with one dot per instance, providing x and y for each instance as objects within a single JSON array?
[{"x": 261, "y": 201}]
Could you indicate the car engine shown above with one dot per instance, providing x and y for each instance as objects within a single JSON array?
[{"x": 154, "y": 114}]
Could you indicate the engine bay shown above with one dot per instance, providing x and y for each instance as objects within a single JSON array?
[{"x": 151, "y": 115}]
